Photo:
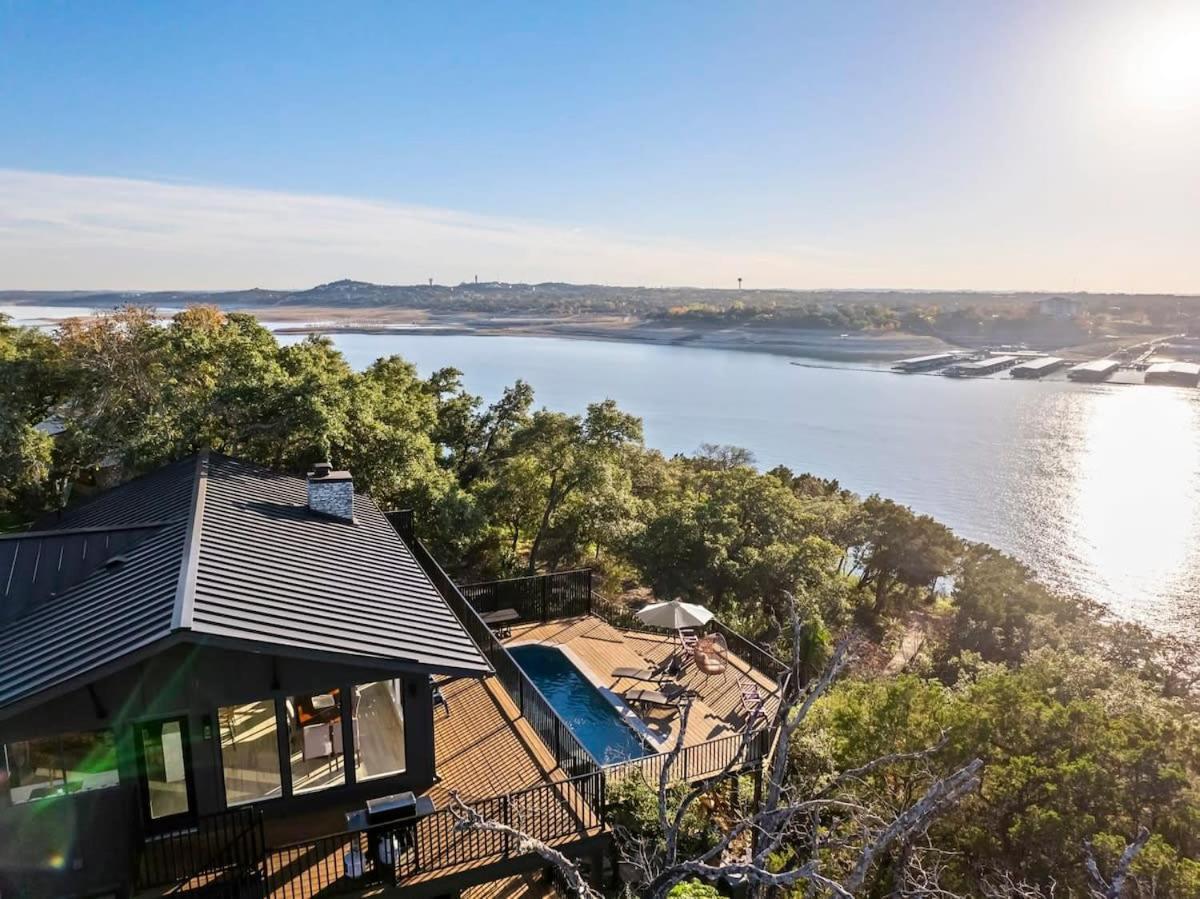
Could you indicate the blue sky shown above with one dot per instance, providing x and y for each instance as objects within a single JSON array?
[{"x": 974, "y": 145}]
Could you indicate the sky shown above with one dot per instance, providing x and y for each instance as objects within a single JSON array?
[{"x": 1013, "y": 145}]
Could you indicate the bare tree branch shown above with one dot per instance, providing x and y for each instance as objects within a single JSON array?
[
  {"x": 468, "y": 819},
  {"x": 1112, "y": 889}
]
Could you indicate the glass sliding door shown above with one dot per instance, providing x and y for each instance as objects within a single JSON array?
[{"x": 165, "y": 770}]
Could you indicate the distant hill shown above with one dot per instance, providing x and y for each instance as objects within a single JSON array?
[{"x": 497, "y": 297}]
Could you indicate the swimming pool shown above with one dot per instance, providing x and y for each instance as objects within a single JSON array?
[{"x": 579, "y": 703}]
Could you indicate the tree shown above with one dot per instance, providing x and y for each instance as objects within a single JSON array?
[
  {"x": 555, "y": 457},
  {"x": 1074, "y": 753},
  {"x": 1000, "y": 610},
  {"x": 726, "y": 535},
  {"x": 902, "y": 548},
  {"x": 29, "y": 389}
]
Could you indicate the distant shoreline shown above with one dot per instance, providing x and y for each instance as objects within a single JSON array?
[
  {"x": 756, "y": 337},
  {"x": 798, "y": 343}
]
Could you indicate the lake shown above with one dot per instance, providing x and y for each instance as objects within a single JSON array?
[{"x": 1097, "y": 487}]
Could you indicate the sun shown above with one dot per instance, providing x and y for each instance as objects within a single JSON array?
[{"x": 1160, "y": 68}]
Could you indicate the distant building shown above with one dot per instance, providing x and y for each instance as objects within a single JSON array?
[{"x": 1060, "y": 307}]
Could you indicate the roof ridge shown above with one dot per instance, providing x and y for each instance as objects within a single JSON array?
[{"x": 185, "y": 592}]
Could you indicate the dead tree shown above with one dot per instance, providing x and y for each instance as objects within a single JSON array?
[{"x": 1113, "y": 887}]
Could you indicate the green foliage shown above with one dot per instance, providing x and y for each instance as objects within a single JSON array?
[
  {"x": 1000, "y": 610},
  {"x": 1072, "y": 751},
  {"x": 633, "y": 808},
  {"x": 693, "y": 889},
  {"x": 901, "y": 549}
]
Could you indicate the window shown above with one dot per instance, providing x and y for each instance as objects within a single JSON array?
[
  {"x": 165, "y": 767},
  {"x": 249, "y": 752},
  {"x": 315, "y": 741},
  {"x": 54, "y": 766},
  {"x": 378, "y": 729}
]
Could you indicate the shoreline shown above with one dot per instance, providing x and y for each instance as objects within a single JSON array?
[{"x": 795, "y": 343}]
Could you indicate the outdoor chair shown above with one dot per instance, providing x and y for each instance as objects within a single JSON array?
[
  {"x": 753, "y": 701},
  {"x": 711, "y": 655},
  {"x": 648, "y": 674},
  {"x": 687, "y": 640},
  {"x": 666, "y": 699},
  {"x": 440, "y": 699}
]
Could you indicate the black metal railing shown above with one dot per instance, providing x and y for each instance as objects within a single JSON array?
[
  {"x": 746, "y": 649},
  {"x": 542, "y": 597},
  {"x": 733, "y": 754},
  {"x": 569, "y": 752},
  {"x": 749, "y": 651},
  {"x": 228, "y": 846},
  {"x": 391, "y": 853}
]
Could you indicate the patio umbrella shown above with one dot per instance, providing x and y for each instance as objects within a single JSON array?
[{"x": 674, "y": 614}]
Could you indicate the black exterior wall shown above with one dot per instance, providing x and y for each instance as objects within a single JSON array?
[{"x": 88, "y": 842}]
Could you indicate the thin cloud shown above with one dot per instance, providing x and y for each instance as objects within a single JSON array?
[{"x": 80, "y": 232}]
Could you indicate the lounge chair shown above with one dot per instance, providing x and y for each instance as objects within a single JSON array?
[
  {"x": 665, "y": 698},
  {"x": 651, "y": 674}
]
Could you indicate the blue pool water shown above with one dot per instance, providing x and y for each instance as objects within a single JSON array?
[{"x": 590, "y": 716}]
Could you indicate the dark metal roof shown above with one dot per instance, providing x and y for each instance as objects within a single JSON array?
[
  {"x": 269, "y": 570},
  {"x": 39, "y": 564},
  {"x": 109, "y": 616},
  {"x": 160, "y": 495},
  {"x": 211, "y": 548}
]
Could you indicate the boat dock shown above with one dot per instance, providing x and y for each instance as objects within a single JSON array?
[
  {"x": 981, "y": 367},
  {"x": 928, "y": 363},
  {"x": 1038, "y": 368},
  {"x": 1096, "y": 370},
  {"x": 1180, "y": 374}
]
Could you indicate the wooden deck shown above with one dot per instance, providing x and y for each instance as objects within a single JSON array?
[
  {"x": 601, "y": 648},
  {"x": 484, "y": 749}
]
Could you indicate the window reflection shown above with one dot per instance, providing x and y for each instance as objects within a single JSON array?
[
  {"x": 52, "y": 766},
  {"x": 249, "y": 752},
  {"x": 315, "y": 741},
  {"x": 378, "y": 729}
]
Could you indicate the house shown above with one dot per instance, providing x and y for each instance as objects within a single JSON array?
[
  {"x": 216, "y": 677},
  {"x": 209, "y": 636},
  {"x": 1060, "y": 307}
]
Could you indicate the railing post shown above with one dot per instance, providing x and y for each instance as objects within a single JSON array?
[
  {"x": 557, "y": 741},
  {"x": 506, "y": 818},
  {"x": 545, "y": 598},
  {"x": 589, "y": 591}
]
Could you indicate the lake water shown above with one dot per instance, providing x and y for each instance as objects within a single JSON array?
[{"x": 1097, "y": 487}]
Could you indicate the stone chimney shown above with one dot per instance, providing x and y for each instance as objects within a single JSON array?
[{"x": 331, "y": 493}]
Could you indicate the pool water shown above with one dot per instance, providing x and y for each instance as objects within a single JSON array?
[{"x": 579, "y": 703}]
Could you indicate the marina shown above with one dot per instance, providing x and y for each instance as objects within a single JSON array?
[
  {"x": 1178, "y": 374},
  {"x": 980, "y": 367},
  {"x": 1096, "y": 370},
  {"x": 1038, "y": 368},
  {"x": 928, "y": 363}
]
